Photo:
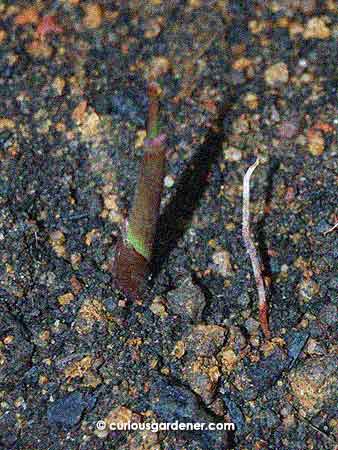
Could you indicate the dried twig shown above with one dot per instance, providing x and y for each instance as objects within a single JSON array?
[
  {"x": 251, "y": 249},
  {"x": 331, "y": 229}
]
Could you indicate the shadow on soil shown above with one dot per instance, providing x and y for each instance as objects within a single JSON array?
[{"x": 177, "y": 215}]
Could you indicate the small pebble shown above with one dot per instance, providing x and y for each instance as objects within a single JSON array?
[
  {"x": 158, "y": 307},
  {"x": 314, "y": 348},
  {"x": 179, "y": 349},
  {"x": 158, "y": 67},
  {"x": 252, "y": 325},
  {"x": 65, "y": 299},
  {"x": 277, "y": 74},
  {"x": 93, "y": 15},
  {"x": 67, "y": 411},
  {"x": 110, "y": 202},
  {"x": 171, "y": 402},
  {"x": 251, "y": 100},
  {"x": 255, "y": 341},
  {"x": 232, "y": 154},
  {"x": 228, "y": 359},
  {"x": 315, "y": 142},
  {"x": 90, "y": 236},
  {"x": 57, "y": 240},
  {"x": 3, "y": 36},
  {"x": 187, "y": 301},
  {"x": 90, "y": 126},
  {"x": 169, "y": 181},
  {"x": 153, "y": 27},
  {"x": 222, "y": 263},
  {"x": 241, "y": 64},
  {"x": 140, "y": 137},
  {"x": 59, "y": 84},
  {"x": 316, "y": 28},
  {"x": 308, "y": 289},
  {"x": 6, "y": 124}
]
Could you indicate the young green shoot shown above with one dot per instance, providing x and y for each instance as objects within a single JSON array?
[{"x": 134, "y": 248}]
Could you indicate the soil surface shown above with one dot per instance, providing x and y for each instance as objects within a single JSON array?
[{"x": 238, "y": 79}]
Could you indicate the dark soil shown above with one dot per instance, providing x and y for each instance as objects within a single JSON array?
[{"x": 239, "y": 79}]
